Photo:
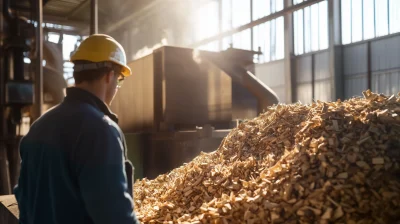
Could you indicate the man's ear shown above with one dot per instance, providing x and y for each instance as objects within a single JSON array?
[{"x": 109, "y": 76}]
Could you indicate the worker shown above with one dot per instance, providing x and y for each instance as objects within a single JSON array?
[{"x": 73, "y": 159}]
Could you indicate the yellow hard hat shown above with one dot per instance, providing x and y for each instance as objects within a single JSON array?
[{"x": 102, "y": 48}]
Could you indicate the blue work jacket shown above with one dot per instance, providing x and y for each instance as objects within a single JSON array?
[{"x": 73, "y": 166}]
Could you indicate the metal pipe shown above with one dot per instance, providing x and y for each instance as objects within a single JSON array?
[
  {"x": 94, "y": 17},
  {"x": 265, "y": 95},
  {"x": 39, "y": 60}
]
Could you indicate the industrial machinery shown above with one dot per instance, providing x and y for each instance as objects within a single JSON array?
[
  {"x": 17, "y": 87},
  {"x": 181, "y": 101}
]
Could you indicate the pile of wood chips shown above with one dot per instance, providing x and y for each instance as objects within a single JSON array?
[{"x": 334, "y": 162}]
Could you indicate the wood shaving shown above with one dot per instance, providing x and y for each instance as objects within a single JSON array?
[{"x": 328, "y": 162}]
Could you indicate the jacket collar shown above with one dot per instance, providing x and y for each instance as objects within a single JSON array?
[{"x": 80, "y": 95}]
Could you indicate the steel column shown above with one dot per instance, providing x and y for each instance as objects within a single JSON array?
[
  {"x": 94, "y": 17},
  {"x": 290, "y": 83},
  {"x": 335, "y": 50},
  {"x": 39, "y": 61},
  {"x": 369, "y": 61}
]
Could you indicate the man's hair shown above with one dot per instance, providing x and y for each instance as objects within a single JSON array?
[{"x": 90, "y": 75}]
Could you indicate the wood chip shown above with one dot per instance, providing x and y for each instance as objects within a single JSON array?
[
  {"x": 378, "y": 160},
  {"x": 327, "y": 162}
]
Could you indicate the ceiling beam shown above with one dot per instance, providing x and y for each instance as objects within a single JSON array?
[
  {"x": 78, "y": 8},
  {"x": 83, "y": 5},
  {"x": 133, "y": 15},
  {"x": 65, "y": 22}
]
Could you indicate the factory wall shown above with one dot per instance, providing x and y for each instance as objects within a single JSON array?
[
  {"x": 309, "y": 69},
  {"x": 384, "y": 66},
  {"x": 314, "y": 81},
  {"x": 303, "y": 84},
  {"x": 273, "y": 75}
]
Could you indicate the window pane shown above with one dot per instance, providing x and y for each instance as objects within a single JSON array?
[
  {"x": 279, "y": 5},
  {"x": 261, "y": 8},
  {"x": 346, "y": 21},
  {"x": 314, "y": 28},
  {"x": 323, "y": 25},
  {"x": 226, "y": 15},
  {"x": 273, "y": 39},
  {"x": 267, "y": 51},
  {"x": 256, "y": 37},
  {"x": 207, "y": 21},
  {"x": 226, "y": 43},
  {"x": 280, "y": 38},
  {"x": 307, "y": 30},
  {"x": 54, "y": 37},
  {"x": 68, "y": 45},
  {"x": 369, "y": 23},
  {"x": 260, "y": 36},
  {"x": 213, "y": 46},
  {"x": 297, "y": 2},
  {"x": 356, "y": 19},
  {"x": 242, "y": 40},
  {"x": 241, "y": 12},
  {"x": 381, "y": 17},
  {"x": 298, "y": 32},
  {"x": 394, "y": 14}
]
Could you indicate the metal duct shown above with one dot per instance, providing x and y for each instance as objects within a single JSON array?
[{"x": 265, "y": 95}]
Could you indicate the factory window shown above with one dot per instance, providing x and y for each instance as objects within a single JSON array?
[
  {"x": 240, "y": 12},
  {"x": 68, "y": 46},
  {"x": 235, "y": 13},
  {"x": 206, "y": 21},
  {"x": 366, "y": 19},
  {"x": 226, "y": 42},
  {"x": 69, "y": 42},
  {"x": 53, "y": 37},
  {"x": 212, "y": 46},
  {"x": 394, "y": 16},
  {"x": 311, "y": 28},
  {"x": 269, "y": 37},
  {"x": 226, "y": 15},
  {"x": 262, "y": 8},
  {"x": 242, "y": 40}
]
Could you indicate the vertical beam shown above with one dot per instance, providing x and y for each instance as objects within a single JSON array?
[
  {"x": 220, "y": 18},
  {"x": 289, "y": 56},
  {"x": 335, "y": 49},
  {"x": 4, "y": 175},
  {"x": 39, "y": 61},
  {"x": 252, "y": 28},
  {"x": 313, "y": 77},
  {"x": 94, "y": 17},
  {"x": 369, "y": 70}
]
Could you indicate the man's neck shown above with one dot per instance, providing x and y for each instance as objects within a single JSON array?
[{"x": 93, "y": 89}]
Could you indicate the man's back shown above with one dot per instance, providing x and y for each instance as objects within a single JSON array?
[{"x": 72, "y": 167}]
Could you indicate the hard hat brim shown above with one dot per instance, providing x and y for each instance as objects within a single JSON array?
[{"x": 126, "y": 71}]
